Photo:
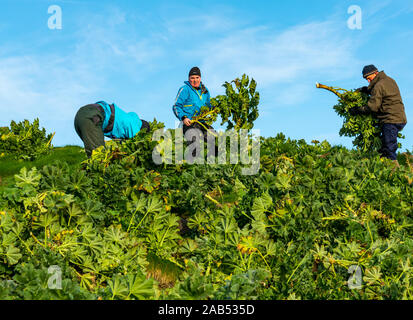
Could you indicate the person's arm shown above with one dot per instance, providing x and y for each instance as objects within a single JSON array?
[
  {"x": 208, "y": 101},
  {"x": 364, "y": 89},
  {"x": 359, "y": 110},
  {"x": 376, "y": 98},
  {"x": 179, "y": 103},
  {"x": 373, "y": 105}
]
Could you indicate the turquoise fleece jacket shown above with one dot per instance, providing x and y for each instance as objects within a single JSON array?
[
  {"x": 190, "y": 100},
  {"x": 126, "y": 124}
]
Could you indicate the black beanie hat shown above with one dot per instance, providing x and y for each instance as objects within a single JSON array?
[
  {"x": 194, "y": 72},
  {"x": 368, "y": 70}
]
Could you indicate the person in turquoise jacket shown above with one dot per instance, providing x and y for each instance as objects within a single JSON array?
[
  {"x": 95, "y": 121},
  {"x": 190, "y": 99}
]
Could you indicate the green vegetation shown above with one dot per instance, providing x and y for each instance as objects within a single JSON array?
[
  {"x": 238, "y": 108},
  {"x": 24, "y": 140},
  {"x": 72, "y": 155},
  {"x": 124, "y": 228},
  {"x": 119, "y": 226}
]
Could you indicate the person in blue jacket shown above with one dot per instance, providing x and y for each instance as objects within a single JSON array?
[
  {"x": 190, "y": 99},
  {"x": 95, "y": 121}
]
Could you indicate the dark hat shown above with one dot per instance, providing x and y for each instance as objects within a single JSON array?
[
  {"x": 194, "y": 72},
  {"x": 368, "y": 70}
]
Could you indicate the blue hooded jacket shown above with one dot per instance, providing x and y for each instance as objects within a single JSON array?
[
  {"x": 126, "y": 124},
  {"x": 189, "y": 101}
]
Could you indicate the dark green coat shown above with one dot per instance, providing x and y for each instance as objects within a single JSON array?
[{"x": 385, "y": 100}]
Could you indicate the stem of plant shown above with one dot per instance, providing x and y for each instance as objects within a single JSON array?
[
  {"x": 247, "y": 215},
  {"x": 264, "y": 259},
  {"x": 141, "y": 220},
  {"x": 205, "y": 128},
  {"x": 233, "y": 170},
  {"x": 249, "y": 259},
  {"x": 208, "y": 269},
  {"x": 398, "y": 279},
  {"x": 368, "y": 228},
  {"x": 332, "y": 89},
  {"x": 213, "y": 200},
  {"x": 177, "y": 263},
  {"x": 242, "y": 260},
  {"x": 35, "y": 239},
  {"x": 296, "y": 268},
  {"x": 25, "y": 244},
  {"x": 163, "y": 237},
  {"x": 130, "y": 222},
  {"x": 48, "y": 143}
]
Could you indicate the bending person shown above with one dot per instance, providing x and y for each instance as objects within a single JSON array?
[{"x": 95, "y": 121}]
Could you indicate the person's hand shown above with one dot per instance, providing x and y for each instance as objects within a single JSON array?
[
  {"x": 364, "y": 90},
  {"x": 359, "y": 110},
  {"x": 354, "y": 111},
  {"x": 187, "y": 122},
  {"x": 364, "y": 110}
]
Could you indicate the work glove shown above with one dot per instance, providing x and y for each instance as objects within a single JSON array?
[
  {"x": 359, "y": 110},
  {"x": 364, "y": 110},
  {"x": 364, "y": 90},
  {"x": 354, "y": 111}
]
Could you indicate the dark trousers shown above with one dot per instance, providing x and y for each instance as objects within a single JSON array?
[
  {"x": 145, "y": 125},
  {"x": 88, "y": 126},
  {"x": 204, "y": 135},
  {"x": 389, "y": 132}
]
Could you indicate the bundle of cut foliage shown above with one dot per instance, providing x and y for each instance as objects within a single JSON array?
[
  {"x": 238, "y": 108},
  {"x": 364, "y": 128}
]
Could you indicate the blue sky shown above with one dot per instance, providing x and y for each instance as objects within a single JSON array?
[{"x": 138, "y": 53}]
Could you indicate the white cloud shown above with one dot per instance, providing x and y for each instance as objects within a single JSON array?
[
  {"x": 286, "y": 64},
  {"x": 198, "y": 24},
  {"x": 49, "y": 88},
  {"x": 52, "y": 86},
  {"x": 273, "y": 57},
  {"x": 116, "y": 43}
]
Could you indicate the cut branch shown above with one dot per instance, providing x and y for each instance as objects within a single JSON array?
[{"x": 334, "y": 90}]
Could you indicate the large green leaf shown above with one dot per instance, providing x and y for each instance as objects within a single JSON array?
[{"x": 13, "y": 254}]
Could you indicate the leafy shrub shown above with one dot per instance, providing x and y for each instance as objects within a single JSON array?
[{"x": 24, "y": 140}]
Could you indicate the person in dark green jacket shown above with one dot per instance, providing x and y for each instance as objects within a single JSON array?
[
  {"x": 95, "y": 121},
  {"x": 386, "y": 104}
]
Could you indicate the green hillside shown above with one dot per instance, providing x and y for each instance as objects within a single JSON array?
[
  {"x": 72, "y": 155},
  {"x": 309, "y": 221},
  {"x": 316, "y": 222}
]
